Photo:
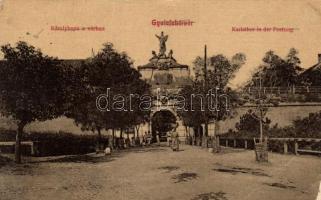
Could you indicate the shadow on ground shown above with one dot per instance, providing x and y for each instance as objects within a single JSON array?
[
  {"x": 143, "y": 149},
  {"x": 280, "y": 185},
  {"x": 211, "y": 196},
  {"x": 242, "y": 170},
  {"x": 227, "y": 150},
  {"x": 82, "y": 158},
  {"x": 101, "y": 157},
  {"x": 184, "y": 177},
  {"x": 88, "y": 158},
  {"x": 169, "y": 169}
]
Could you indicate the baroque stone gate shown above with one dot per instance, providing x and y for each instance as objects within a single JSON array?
[{"x": 166, "y": 77}]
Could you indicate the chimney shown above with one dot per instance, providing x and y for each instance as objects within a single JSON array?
[{"x": 319, "y": 57}]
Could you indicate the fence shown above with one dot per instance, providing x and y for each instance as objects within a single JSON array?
[
  {"x": 27, "y": 147},
  {"x": 283, "y": 90},
  {"x": 281, "y": 145}
]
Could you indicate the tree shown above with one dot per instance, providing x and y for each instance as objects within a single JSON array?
[
  {"x": 274, "y": 72},
  {"x": 220, "y": 71},
  {"x": 278, "y": 72},
  {"x": 113, "y": 71},
  {"x": 249, "y": 122},
  {"x": 31, "y": 87},
  {"x": 225, "y": 67},
  {"x": 308, "y": 126}
]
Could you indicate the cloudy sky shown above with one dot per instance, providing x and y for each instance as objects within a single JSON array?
[{"x": 128, "y": 26}]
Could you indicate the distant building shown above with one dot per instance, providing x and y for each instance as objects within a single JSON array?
[{"x": 313, "y": 74}]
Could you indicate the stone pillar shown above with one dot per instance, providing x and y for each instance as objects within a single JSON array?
[
  {"x": 245, "y": 144},
  {"x": 218, "y": 145},
  {"x": 204, "y": 141},
  {"x": 296, "y": 147},
  {"x": 226, "y": 142},
  {"x": 285, "y": 147},
  {"x": 32, "y": 152},
  {"x": 234, "y": 143},
  {"x": 158, "y": 140}
]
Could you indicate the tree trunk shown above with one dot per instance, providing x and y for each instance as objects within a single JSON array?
[
  {"x": 99, "y": 139},
  {"x": 120, "y": 143},
  {"x": 18, "y": 143},
  {"x": 113, "y": 138},
  {"x": 199, "y": 135},
  {"x": 206, "y": 128},
  {"x": 137, "y": 131},
  {"x": 261, "y": 125}
]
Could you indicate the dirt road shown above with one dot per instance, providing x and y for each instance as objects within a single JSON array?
[{"x": 157, "y": 173}]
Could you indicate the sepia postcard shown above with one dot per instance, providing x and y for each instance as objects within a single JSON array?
[{"x": 160, "y": 100}]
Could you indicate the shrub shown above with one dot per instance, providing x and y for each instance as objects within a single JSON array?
[{"x": 51, "y": 144}]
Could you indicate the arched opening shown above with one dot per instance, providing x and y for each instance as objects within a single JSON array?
[{"x": 162, "y": 122}]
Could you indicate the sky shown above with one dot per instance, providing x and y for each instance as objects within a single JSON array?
[{"x": 127, "y": 24}]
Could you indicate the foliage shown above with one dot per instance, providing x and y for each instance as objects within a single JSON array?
[
  {"x": 191, "y": 118},
  {"x": 250, "y": 122},
  {"x": 278, "y": 72},
  {"x": 113, "y": 70},
  {"x": 220, "y": 71},
  {"x": 31, "y": 85},
  {"x": 308, "y": 126},
  {"x": 311, "y": 77},
  {"x": 60, "y": 143},
  {"x": 219, "y": 64}
]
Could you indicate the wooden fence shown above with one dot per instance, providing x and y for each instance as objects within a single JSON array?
[{"x": 283, "y": 145}]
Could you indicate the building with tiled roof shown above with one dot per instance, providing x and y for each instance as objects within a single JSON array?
[{"x": 313, "y": 74}]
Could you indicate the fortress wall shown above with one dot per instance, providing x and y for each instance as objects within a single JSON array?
[
  {"x": 179, "y": 72},
  {"x": 282, "y": 115},
  {"x": 146, "y": 73}
]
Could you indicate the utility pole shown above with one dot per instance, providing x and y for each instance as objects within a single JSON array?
[
  {"x": 205, "y": 65},
  {"x": 261, "y": 112},
  {"x": 206, "y": 87}
]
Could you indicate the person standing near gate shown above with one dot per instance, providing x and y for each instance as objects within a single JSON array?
[
  {"x": 169, "y": 136},
  {"x": 149, "y": 138},
  {"x": 157, "y": 138},
  {"x": 175, "y": 140}
]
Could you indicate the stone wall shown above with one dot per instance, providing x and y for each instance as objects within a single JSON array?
[
  {"x": 281, "y": 115},
  {"x": 176, "y": 72}
]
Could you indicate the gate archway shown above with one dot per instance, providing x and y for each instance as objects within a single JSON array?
[{"x": 162, "y": 121}]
